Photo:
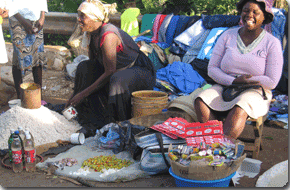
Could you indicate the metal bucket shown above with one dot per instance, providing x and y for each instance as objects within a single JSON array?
[{"x": 30, "y": 95}]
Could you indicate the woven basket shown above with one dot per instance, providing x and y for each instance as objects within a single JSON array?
[
  {"x": 147, "y": 102},
  {"x": 30, "y": 96}
]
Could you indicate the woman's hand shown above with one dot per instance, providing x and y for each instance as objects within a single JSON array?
[
  {"x": 77, "y": 99},
  {"x": 244, "y": 79},
  {"x": 3, "y": 12},
  {"x": 38, "y": 25}
]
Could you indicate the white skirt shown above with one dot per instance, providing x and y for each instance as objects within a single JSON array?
[
  {"x": 250, "y": 100},
  {"x": 3, "y": 52}
]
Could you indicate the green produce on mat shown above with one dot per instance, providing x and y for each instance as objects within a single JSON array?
[{"x": 98, "y": 163}]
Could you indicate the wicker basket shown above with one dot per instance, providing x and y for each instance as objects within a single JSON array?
[
  {"x": 30, "y": 96},
  {"x": 147, "y": 102}
]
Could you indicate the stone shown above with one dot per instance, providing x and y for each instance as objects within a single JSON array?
[
  {"x": 58, "y": 64},
  {"x": 6, "y": 92},
  {"x": 57, "y": 57}
]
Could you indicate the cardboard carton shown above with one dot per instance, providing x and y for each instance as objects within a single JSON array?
[{"x": 203, "y": 172}]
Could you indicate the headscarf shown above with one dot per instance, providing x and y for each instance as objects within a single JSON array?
[{"x": 98, "y": 12}]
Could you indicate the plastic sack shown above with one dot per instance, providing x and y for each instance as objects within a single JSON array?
[
  {"x": 276, "y": 176},
  {"x": 154, "y": 159},
  {"x": 72, "y": 67},
  {"x": 83, "y": 152},
  {"x": 110, "y": 140}
]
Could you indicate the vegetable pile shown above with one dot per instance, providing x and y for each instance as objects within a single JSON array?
[{"x": 98, "y": 163}]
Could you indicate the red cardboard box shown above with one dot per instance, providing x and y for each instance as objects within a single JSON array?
[{"x": 212, "y": 127}]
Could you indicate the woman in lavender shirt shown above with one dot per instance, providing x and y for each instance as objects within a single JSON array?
[{"x": 243, "y": 55}]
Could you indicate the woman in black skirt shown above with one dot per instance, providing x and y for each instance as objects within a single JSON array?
[{"x": 116, "y": 68}]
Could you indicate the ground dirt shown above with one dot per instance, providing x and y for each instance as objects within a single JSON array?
[{"x": 274, "y": 150}]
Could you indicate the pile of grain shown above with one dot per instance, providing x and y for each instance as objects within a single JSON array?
[{"x": 45, "y": 125}]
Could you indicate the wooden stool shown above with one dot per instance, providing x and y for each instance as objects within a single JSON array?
[{"x": 258, "y": 125}]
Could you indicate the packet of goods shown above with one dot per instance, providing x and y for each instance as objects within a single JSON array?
[
  {"x": 163, "y": 129},
  {"x": 178, "y": 126},
  {"x": 172, "y": 127},
  {"x": 212, "y": 127}
]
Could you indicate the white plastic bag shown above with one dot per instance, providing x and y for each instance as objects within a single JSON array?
[{"x": 72, "y": 67}]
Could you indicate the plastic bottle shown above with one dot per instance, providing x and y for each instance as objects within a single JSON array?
[
  {"x": 22, "y": 139},
  {"x": 27, "y": 131},
  {"x": 21, "y": 134},
  {"x": 17, "y": 164},
  {"x": 10, "y": 140},
  {"x": 29, "y": 151}
]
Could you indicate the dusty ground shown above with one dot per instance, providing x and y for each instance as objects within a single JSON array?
[
  {"x": 274, "y": 151},
  {"x": 56, "y": 84}
]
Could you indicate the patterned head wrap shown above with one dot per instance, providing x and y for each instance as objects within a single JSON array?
[{"x": 97, "y": 11}]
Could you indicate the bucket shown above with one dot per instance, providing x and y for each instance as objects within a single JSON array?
[
  {"x": 182, "y": 182},
  {"x": 148, "y": 102},
  {"x": 30, "y": 95}
]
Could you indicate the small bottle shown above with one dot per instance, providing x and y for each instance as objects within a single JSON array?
[
  {"x": 10, "y": 140},
  {"x": 29, "y": 151},
  {"x": 17, "y": 164},
  {"x": 22, "y": 139},
  {"x": 21, "y": 134},
  {"x": 27, "y": 131}
]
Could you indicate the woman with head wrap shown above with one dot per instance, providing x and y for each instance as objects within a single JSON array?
[
  {"x": 243, "y": 55},
  {"x": 116, "y": 68}
]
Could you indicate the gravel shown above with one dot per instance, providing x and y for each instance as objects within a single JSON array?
[{"x": 45, "y": 125}]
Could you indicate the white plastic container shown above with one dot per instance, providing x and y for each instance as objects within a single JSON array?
[
  {"x": 276, "y": 176},
  {"x": 14, "y": 102},
  {"x": 77, "y": 138}
]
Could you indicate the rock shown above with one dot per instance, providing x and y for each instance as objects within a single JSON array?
[
  {"x": 57, "y": 57},
  {"x": 6, "y": 92},
  {"x": 58, "y": 64},
  {"x": 6, "y": 75},
  {"x": 9, "y": 49}
]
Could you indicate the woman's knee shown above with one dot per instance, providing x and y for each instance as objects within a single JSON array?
[
  {"x": 84, "y": 65},
  {"x": 198, "y": 102},
  {"x": 240, "y": 112}
]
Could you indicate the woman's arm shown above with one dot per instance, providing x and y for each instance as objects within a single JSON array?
[
  {"x": 27, "y": 24},
  {"x": 214, "y": 66},
  {"x": 40, "y": 22},
  {"x": 109, "y": 60}
]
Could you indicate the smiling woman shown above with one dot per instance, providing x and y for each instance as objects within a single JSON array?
[{"x": 243, "y": 56}]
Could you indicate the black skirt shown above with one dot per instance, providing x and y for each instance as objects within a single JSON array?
[{"x": 113, "y": 102}]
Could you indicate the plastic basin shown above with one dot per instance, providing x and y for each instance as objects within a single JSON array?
[{"x": 182, "y": 182}]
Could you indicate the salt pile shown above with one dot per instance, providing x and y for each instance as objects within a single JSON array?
[{"x": 45, "y": 125}]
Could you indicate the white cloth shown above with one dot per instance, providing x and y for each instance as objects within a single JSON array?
[
  {"x": 250, "y": 100},
  {"x": 29, "y": 9},
  {"x": 3, "y": 52}
]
